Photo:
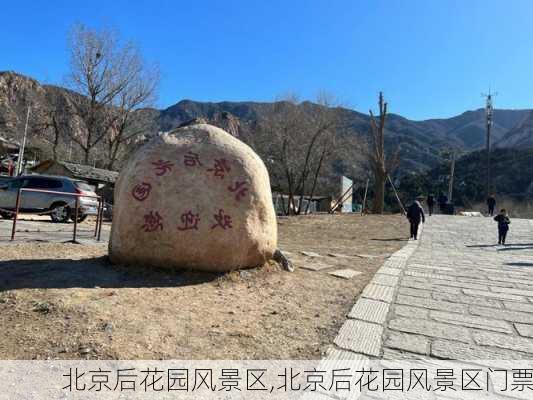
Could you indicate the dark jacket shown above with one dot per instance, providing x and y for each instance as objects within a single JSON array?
[
  {"x": 430, "y": 200},
  {"x": 415, "y": 213},
  {"x": 491, "y": 201},
  {"x": 503, "y": 222}
]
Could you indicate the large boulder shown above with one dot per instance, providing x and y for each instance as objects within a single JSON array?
[{"x": 196, "y": 198}]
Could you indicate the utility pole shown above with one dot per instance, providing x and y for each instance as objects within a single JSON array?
[
  {"x": 20, "y": 160},
  {"x": 452, "y": 171},
  {"x": 488, "y": 115}
]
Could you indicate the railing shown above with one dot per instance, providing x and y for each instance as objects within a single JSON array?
[{"x": 99, "y": 215}]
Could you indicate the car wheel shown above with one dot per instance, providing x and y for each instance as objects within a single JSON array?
[
  {"x": 81, "y": 217},
  {"x": 60, "y": 212}
]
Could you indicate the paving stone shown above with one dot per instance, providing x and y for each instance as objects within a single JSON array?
[
  {"x": 471, "y": 321},
  {"x": 500, "y": 296},
  {"x": 337, "y": 359},
  {"x": 485, "y": 282},
  {"x": 430, "y": 328},
  {"x": 460, "y": 298},
  {"x": 524, "y": 330},
  {"x": 310, "y": 254},
  {"x": 453, "y": 350},
  {"x": 389, "y": 271},
  {"x": 344, "y": 273},
  {"x": 431, "y": 267},
  {"x": 519, "y": 292},
  {"x": 338, "y": 255},
  {"x": 370, "y": 310},
  {"x": 415, "y": 284},
  {"x": 399, "y": 355},
  {"x": 503, "y": 341},
  {"x": 507, "y": 315},
  {"x": 514, "y": 306},
  {"x": 368, "y": 256},
  {"x": 360, "y": 337},
  {"x": 415, "y": 292},
  {"x": 385, "y": 280},
  {"x": 499, "y": 278},
  {"x": 431, "y": 304},
  {"x": 314, "y": 266},
  {"x": 408, "y": 342},
  {"x": 411, "y": 312},
  {"x": 378, "y": 292},
  {"x": 456, "y": 284},
  {"x": 427, "y": 275}
]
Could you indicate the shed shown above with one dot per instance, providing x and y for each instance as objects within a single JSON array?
[
  {"x": 102, "y": 179},
  {"x": 95, "y": 176}
]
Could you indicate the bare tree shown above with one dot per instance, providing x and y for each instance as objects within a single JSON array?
[
  {"x": 296, "y": 141},
  {"x": 381, "y": 166},
  {"x": 113, "y": 81}
]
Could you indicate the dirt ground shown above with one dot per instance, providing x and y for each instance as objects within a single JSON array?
[{"x": 67, "y": 301}]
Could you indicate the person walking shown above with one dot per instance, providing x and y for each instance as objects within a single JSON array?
[
  {"x": 431, "y": 203},
  {"x": 503, "y": 225},
  {"x": 415, "y": 214},
  {"x": 442, "y": 200},
  {"x": 491, "y": 204}
]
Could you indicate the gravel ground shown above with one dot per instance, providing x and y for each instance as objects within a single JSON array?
[{"x": 67, "y": 301}]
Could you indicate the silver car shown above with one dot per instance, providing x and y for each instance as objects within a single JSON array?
[{"x": 60, "y": 207}]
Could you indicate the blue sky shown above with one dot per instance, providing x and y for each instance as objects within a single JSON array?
[{"x": 431, "y": 58}]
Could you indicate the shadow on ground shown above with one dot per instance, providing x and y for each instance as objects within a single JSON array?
[
  {"x": 517, "y": 246},
  {"x": 519, "y": 264},
  {"x": 90, "y": 273},
  {"x": 404, "y": 239}
]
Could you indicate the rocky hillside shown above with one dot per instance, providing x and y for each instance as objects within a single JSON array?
[
  {"x": 420, "y": 141},
  {"x": 521, "y": 135}
]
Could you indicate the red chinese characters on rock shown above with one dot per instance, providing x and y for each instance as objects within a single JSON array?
[
  {"x": 240, "y": 188},
  {"x": 189, "y": 221},
  {"x": 141, "y": 191},
  {"x": 152, "y": 222},
  {"x": 191, "y": 159},
  {"x": 222, "y": 220},
  {"x": 162, "y": 167},
  {"x": 220, "y": 168}
]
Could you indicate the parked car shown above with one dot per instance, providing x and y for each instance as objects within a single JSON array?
[{"x": 60, "y": 207}]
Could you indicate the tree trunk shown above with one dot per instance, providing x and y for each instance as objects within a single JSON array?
[
  {"x": 86, "y": 156},
  {"x": 379, "y": 192}
]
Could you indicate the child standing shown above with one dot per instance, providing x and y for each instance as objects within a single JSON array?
[{"x": 503, "y": 225}]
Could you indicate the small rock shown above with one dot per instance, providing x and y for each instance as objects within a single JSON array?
[
  {"x": 244, "y": 274},
  {"x": 84, "y": 350},
  {"x": 43, "y": 308},
  {"x": 108, "y": 327}
]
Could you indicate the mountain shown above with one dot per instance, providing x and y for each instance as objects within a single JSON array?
[
  {"x": 511, "y": 177},
  {"x": 420, "y": 142},
  {"x": 519, "y": 136}
]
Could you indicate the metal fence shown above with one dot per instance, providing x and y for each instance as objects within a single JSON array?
[{"x": 99, "y": 215}]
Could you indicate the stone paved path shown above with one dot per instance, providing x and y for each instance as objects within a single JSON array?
[{"x": 454, "y": 294}]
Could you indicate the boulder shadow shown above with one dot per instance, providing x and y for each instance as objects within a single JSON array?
[{"x": 92, "y": 273}]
